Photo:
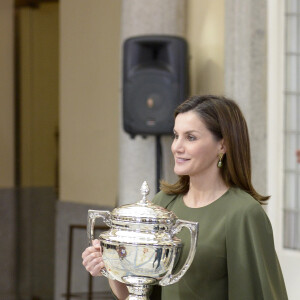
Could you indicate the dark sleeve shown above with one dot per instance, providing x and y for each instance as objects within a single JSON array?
[
  {"x": 253, "y": 268},
  {"x": 163, "y": 200},
  {"x": 158, "y": 198},
  {"x": 156, "y": 293}
]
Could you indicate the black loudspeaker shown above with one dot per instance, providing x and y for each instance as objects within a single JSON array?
[{"x": 155, "y": 82}]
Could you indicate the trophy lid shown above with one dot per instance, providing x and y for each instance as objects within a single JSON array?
[{"x": 143, "y": 211}]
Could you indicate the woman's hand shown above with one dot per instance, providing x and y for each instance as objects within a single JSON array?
[
  {"x": 93, "y": 262},
  {"x": 92, "y": 259}
]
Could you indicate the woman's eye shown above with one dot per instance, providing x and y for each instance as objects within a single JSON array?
[
  {"x": 175, "y": 136},
  {"x": 191, "y": 138}
]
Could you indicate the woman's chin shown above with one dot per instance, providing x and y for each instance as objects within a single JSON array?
[{"x": 180, "y": 172}]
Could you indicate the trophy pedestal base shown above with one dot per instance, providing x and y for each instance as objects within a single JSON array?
[{"x": 138, "y": 287}]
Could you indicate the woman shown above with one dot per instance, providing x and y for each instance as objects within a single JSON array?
[{"x": 235, "y": 257}]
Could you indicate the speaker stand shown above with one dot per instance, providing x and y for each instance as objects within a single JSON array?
[{"x": 158, "y": 161}]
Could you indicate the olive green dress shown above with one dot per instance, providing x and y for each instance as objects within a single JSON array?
[{"x": 235, "y": 257}]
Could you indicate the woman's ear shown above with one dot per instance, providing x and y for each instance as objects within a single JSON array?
[{"x": 222, "y": 146}]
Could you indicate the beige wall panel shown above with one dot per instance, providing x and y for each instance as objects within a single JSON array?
[
  {"x": 205, "y": 35},
  {"x": 89, "y": 100},
  {"x": 39, "y": 94},
  {"x": 7, "y": 94},
  {"x": 25, "y": 74}
]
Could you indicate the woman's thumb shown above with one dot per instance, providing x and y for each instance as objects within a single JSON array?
[{"x": 96, "y": 243}]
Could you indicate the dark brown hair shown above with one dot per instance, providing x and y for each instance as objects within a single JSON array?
[{"x": 224, "y": 119}]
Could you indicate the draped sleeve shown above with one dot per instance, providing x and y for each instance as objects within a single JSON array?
[{"x": 253, "y": 268}]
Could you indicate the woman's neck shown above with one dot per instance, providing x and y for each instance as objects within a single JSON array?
[{"x": 204, "y": 191}]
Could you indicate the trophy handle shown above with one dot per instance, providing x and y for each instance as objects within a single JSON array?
[
  {"x": 193, "y": 228},
  {"x": 92, "y": 216}
]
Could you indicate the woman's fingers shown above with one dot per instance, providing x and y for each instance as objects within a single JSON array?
[
  {"x": 95, "y": 267},
  {"x": 86, "y": 252},
  {"x": 89, "y": 251},
  {"x": 93, "y": 263},
  {"x": 92, "y": 260},
  {"x": 96, "y": 243},
  {"x": 90, "y": 257}
]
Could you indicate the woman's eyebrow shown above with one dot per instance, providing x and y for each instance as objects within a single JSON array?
[
  {"x": 188, "y": 131},
  {"x": 192, "y": 131}
]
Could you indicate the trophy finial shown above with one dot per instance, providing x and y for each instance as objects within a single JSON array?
[{"x": 144, "y": 191}]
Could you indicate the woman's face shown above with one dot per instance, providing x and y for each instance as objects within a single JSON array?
[{"x": 195, "y": 149}]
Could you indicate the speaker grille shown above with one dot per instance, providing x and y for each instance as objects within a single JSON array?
[{"x": 154, "y": 83}]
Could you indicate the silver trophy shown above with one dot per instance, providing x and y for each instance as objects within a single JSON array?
[{"x": 141, "y": 248}]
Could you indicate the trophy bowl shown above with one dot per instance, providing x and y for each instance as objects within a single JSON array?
[{"x": 141, "y": 248}]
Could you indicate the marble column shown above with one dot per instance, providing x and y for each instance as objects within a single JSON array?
[
  {"x": 138, "y": 156},
  {"x": 245, "y": 74}
]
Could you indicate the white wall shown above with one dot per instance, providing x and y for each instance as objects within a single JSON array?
[{"x": 289, "y": 259}]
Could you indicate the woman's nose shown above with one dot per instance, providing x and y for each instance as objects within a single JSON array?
[{"x": 177, "y": 145}]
